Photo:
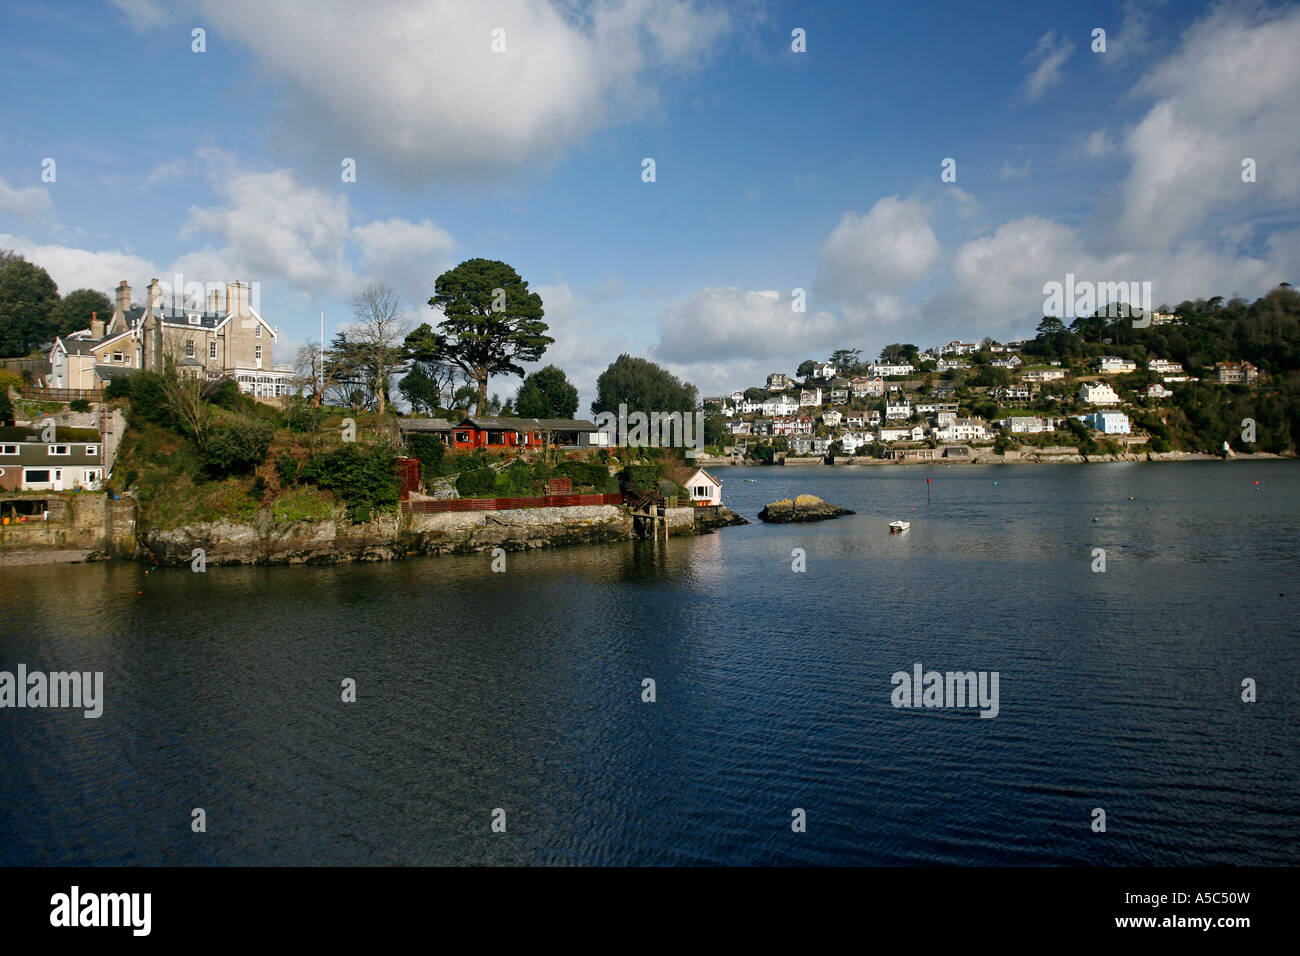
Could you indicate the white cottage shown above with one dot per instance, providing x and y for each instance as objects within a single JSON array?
[{"x": 704, "y": 489}]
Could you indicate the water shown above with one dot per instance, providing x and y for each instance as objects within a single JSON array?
[{"x": 521, "y": 690}]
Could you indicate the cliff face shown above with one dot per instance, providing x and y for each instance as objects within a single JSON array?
[{"x": 390, "y": 538}]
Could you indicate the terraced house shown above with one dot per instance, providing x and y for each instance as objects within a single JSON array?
[
  {"x": 220, "y": 340},
  {"x": 75, "y": 459}
]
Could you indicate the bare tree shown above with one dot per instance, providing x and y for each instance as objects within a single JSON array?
[
  {"x": 310, "y": 375},
  {"x": 184, "y": 388},
  {"x": 380, "y": 330}
]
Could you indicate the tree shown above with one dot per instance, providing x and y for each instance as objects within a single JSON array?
[
  {"x": 845, "y": 359},
  {"x": 379, "y": 332},
  {"x": 805, "y": 368},
  {"x": 642, "y": 386},
  {"x": 492, "y": 323},
  {"x": 547, "y": 393},
  {"x": 421, "y": 391},
  {"x": 27, "y": 295},
  {"x": 74, "y": 311}
]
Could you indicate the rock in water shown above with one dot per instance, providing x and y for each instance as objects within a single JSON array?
[{"x": 803, "y": 508}]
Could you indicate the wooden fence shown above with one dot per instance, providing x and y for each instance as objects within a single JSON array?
[
  {"x": 62, "y": 394},
  {"x": 433, "y": 506}
]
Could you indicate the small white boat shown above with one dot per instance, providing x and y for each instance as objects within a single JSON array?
[{"x": 898, "y": 527}]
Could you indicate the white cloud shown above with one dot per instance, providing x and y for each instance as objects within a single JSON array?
[
  {"x": 143, "y": 14},
  {"x": 1047, "y": 57},
  {"x": 274, "y": 227},
  {"x": 729, "y": 323},
  {"x": 406, "y": 255},
  {"x": 882, "y": 252},
  {"x": 1228, "y": 93},
  {"x": 1098, "y": 143},
  {"x": 418, "y": 85},
  {"x": 1133, "y": 39},
  {"x": 26, "y": 203}
]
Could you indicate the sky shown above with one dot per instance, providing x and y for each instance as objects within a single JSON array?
[{"x": 519, "y": 130}]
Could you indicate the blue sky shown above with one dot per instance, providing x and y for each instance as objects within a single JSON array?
[{"x": 775, "y": 170}]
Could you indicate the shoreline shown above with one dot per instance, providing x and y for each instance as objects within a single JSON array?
[{"x": 1012, "y": 458}]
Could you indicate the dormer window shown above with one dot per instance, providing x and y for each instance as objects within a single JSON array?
[{"x": 196, "y": 319}]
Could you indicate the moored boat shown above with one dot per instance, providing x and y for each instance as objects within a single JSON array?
[{"x": 898, "y": 527}]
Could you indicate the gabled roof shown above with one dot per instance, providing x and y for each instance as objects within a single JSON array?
[{"x": 424, "y": 425}]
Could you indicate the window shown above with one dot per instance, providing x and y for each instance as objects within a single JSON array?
[
  {"x": 91, "y": 475},
  {"x": 496, "y": 438},
  {"x": 92, "y": 449},
  {"x": 117, "y": 357},
  {"x": 37, "y": 475},
  {"x": 189, "y": 348},
  {"x": 212, "y": 350},
  {"x": 8, "y": 449},
  {"x": 462, "y": 437},
  {"x": 196, "y": 320},
  {"x": 257, "y": 353},
  {"x": 57, "y": 449},
  {"x": 258, "y": 333}
]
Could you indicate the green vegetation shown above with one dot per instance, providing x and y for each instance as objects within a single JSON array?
[
  {"x": 642, "y": 386},
  {"x": 547, "y": 393}
]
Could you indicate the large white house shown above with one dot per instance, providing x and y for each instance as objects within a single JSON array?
[
  {"x": 885, "y": 370},
  {"x": 810, "y": 397},
  {"x": 864, "y": 387},
  {"x": 1027, "y": 425},
  {"x": 1165, "y": 367},
  {"x": 1098, "y": 393},
  {"x": 780, "y": 406},
  {"x": 962, "y": 430},
  {"x": 901, "y": 408},
  {"x": 1108, "y": 423}
]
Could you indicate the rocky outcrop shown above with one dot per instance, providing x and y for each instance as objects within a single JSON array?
[
  {"x": 723, "y": 518},
  {"x": 389, "y": 538},
  {"x": 802, "y": 508}
]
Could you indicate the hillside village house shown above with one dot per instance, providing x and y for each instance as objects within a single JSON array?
[
  {"x": 810, "y": 397},
  {"x": 29, "y": 464},
  {"x": 962, "y": 430},
  {"x": 780, "y": 406},
  {"x": 959, "y": 348},
  {"x": 1010, "y": 362},
  {"x": 1044, "y": 375},
  {"x": 1165, "y": 318},
  {"x": 1108, "y": 364},
  {"x": 810, "y": 445},
  {"x": 1164, "y": 367},
  {"x": 832, "y": 418},
  {"x": 1098, "y": 393},
  {"x": 885, "y": 370},
  {"x": 777, "y": 381},
  {"x": 1108, "y": 423},
  {"x": 948, "y": 365},
  {"x": 901, "y": 408},
  {"x": 1235, "y": 373},
  {"x": 1015, "y": 392},
  {"x": 863, "y": 387},
  {"x": 1027, "y": 425},
  {"x": 1156, "y": 391},
  {"x": 825, "y": 370},
  {"x": 214, "y": 342}
]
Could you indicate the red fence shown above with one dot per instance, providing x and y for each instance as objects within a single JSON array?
[{"x": 427, "y": 506}]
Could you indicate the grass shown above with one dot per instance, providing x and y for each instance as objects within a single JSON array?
[{"x": 304, "y": 504}]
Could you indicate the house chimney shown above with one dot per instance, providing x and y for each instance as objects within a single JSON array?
[
  {"x": 155, "y": 297},
  {"x": 123, "y": 297},
  {"x": 237, "y": 298},
  {"x": 214, "y": 300},
  {"x": 96, "y": 326}
]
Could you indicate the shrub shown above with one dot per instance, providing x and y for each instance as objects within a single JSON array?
[
  {"x": 364, "y": 477},
  {"x": 304, "y": 417},
  {"x": 79, "y": 405},
  {"x": 585, "y": 474},
  {"x": 258, "y": 491},
  {"x": 430, "y": 450},
  {"x": 237, "y": 448},
  {"x": 476, "y": 479},
  {"x": 149, "y": 400},
  {"x": 119, "y": 386},
  {"x": 286, "y": 467}
]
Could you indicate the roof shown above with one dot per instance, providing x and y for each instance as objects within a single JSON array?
[
  {"x": 701, "y": 471},
  {"x": 529, "y": 424},
  {"x": 424, "y": 425},
  {"x": 106, "y": 372}
]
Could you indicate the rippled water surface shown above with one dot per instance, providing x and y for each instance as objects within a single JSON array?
[{"x": 522, "y": 690}]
